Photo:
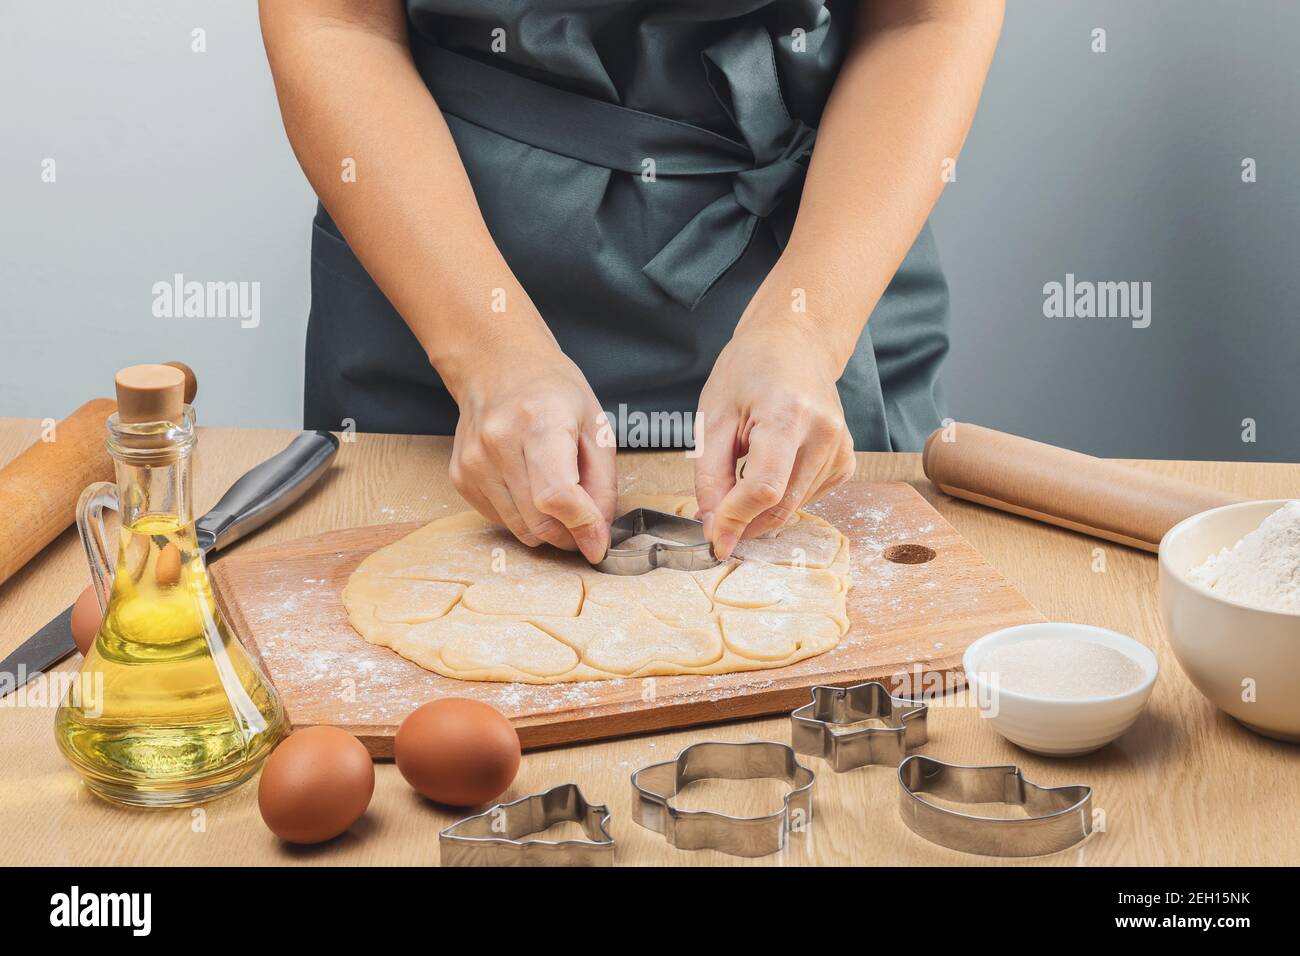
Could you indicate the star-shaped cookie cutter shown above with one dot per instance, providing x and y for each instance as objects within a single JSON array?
[
  {"x": 497, "y": 836},
  {"x": 812, "y": 726},
  {"x": 655, "y": 785}
]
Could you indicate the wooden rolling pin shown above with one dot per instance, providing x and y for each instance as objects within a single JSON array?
[
  {"x": 39, "y": 488},
  {"x": 1105, "y": 499}
]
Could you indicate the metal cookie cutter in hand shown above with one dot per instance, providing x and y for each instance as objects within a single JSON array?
[
  {"x": 495, "y": 837},
  {"x": 653, "y": 786},
  {"x": 1057, "y": 817},
  {"x": 683, "y": 548},
  {"x": 812, "y": 726}
]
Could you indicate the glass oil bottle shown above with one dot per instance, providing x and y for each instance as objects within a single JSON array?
[{"x": 170, "y": 710}]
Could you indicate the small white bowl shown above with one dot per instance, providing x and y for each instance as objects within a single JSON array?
[
  {"x": 1054, "y": 726},
  {"x": 1229, "y": 650}
]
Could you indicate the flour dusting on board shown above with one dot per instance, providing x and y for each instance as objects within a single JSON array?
[
  {"x": 873, "y": 527},
  {"x": 289, "y": 612}
]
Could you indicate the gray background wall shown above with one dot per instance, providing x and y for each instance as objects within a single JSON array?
[{"x": 1117, "y": 166}]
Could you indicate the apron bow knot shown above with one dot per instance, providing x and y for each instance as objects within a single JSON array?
[
  {"x": 761, "y": 189},
  {"x": 741, "y": 69},
  {"x": 764, "y": 166}
]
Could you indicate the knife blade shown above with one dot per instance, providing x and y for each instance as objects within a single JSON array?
[{"x": 262, "y": 493}]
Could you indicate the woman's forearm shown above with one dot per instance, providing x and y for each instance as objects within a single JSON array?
[
  {"x": 349, "y": 91},
  {"x": 900, "y": 110}
]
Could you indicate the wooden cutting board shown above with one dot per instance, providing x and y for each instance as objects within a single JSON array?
[{"x": 912, "y": 619}]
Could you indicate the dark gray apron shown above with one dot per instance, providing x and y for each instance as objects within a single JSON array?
[{"x": 640, "y": 236}]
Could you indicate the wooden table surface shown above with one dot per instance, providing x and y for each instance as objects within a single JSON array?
[{"x": 1187, "y": 785}]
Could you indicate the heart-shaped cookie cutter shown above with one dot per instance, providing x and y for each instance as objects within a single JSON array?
[
  {"x": 655, "y": 785},
  {"x": 683, "y": 548},
  {"x": 497, "y": 836},
  {"x": 812, "y": 726},
  {"x": 1057, "y": 817}
]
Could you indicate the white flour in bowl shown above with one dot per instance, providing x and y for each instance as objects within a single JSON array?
[{"x": 1263, "y": 568}]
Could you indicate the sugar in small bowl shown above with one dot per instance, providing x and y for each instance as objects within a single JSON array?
[{"x": 1060, "y": 689}]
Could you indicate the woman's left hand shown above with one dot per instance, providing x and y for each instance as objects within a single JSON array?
[{"x": 771, "y": 399}]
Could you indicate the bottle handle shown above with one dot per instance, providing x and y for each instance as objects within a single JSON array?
[{"x": 94, "y": 537}]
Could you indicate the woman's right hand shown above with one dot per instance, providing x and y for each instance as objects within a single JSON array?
[{"x": 526, "y": 453}]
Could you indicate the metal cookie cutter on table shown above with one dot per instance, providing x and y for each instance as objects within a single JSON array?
[
  {"x": 812, "y": 726},
  {"x": 655, "y": 785},
  {"x": 1058, "y": 817},
  {"x": 495, "y": 837},
  {"x": 683, "y": 548}
]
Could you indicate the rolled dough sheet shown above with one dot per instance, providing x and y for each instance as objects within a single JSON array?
[{"x": 466, "y": 600}]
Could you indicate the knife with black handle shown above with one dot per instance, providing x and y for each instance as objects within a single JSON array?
[{"x": 256, "y": 498}]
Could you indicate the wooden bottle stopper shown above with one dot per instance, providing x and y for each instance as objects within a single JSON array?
[
  {"x": 39, "y": 488},
  {"x": 191, "y": 383},
  {"x": 150, "y": 393}
]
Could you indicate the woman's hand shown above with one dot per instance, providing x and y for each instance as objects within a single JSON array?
[
  {"x": 526, "y": 454},
  {"x": 895, "y": 121},
  {"x": 771, "y": 397}
]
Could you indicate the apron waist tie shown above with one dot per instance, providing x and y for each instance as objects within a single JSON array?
[{"x": 741, "y": 70}]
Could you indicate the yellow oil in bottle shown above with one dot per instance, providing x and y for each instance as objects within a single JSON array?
[{"x": 175, "y": 712}]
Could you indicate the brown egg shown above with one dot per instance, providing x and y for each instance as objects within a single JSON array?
[
  {"x": 315, "y": 785},
  {"x": 458, "y": 752},
  {"x": 86, "y": 618},
  {"x": 167, "y": 569}
]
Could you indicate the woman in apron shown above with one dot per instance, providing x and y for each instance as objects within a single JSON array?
[{"x": 554, "y": 227}]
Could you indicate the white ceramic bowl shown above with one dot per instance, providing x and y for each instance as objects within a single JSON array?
[
  {"x": 1226, "y": 648},
  {"x": 1050, "y": 725}
]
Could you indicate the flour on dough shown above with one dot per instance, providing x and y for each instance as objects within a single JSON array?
[
  {"x": 465, "y": 599},
  {"x": 803, "y": 542},
  {"x": 397, "y": 601},
  {"x": 545, "y": 592}
]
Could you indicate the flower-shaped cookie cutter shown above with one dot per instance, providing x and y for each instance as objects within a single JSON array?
[
  {"x": 1056, "y": 817},
  {"x": 812, "y": 726},
  {"x": 498, "y": 836},
  {"x": 655, "y": 785}
]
